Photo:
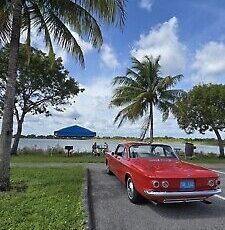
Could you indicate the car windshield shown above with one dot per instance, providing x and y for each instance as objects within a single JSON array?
[{"x": 151, "y": 151}]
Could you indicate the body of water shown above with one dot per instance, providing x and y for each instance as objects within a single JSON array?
[{"x": 85, "y": 145}]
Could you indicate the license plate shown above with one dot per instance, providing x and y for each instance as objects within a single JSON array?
[{"x": 187, "y": 184}]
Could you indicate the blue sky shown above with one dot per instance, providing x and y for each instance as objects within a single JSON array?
[{"x": 188, "y": 34}]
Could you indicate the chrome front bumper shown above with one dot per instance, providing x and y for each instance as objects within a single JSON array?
[{"x": 205, "y": 193}]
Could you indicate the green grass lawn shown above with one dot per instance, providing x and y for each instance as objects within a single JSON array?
[
  {"x": 88, "y": 158},
  {"x": 52, "y": 200},
  {"x": 79, "y": 158},
  {"x": 206, "y": 159}
]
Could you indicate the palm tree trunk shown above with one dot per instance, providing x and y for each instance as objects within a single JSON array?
[
  {"x": 151, "y": 123},
  {"x": 220, "y": 143},
  {"x": 142, "y": 137},
  {"x": 17, "y": 136},
  {"x": 148, "y": 126},
  {"x": 7, "y": 120}
]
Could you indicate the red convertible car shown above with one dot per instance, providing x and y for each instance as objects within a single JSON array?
[{"x": 155, "y": 172}]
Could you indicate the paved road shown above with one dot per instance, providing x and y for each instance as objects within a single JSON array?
[{"x": 113, "y": 210}]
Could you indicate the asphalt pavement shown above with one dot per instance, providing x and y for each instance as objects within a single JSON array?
[{"x": 113, "y": 211}]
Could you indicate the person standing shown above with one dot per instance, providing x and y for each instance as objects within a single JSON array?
[
  {"x": 106, "y": 148},
  {"x": 94, "y": 149}
]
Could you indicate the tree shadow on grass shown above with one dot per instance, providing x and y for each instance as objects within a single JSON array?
[{"x": 18, "y": 186}]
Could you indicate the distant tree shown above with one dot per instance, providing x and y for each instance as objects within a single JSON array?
[
  {"x": 41, "y": 85},
  {"x": 31, "y": 136},
  {"x": 202, "y": 109},
  {"x": 141, "y": 89}
]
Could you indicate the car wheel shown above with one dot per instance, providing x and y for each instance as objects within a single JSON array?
[
  {"x": 132, "y": 193},
  {"x": 108, "y": 171}
]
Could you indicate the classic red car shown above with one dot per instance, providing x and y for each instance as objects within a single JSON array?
[{"x": 155, "y": 172}]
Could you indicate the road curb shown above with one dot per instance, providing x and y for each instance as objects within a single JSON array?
[{"x": 90, "y": 224}]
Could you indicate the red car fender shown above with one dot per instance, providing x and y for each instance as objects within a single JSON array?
[
  {"x": 108, "y": 159},
  {"x": 140, "y": 181}
]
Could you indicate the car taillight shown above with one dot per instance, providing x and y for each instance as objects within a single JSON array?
[
  {"x": 217, "y": 182},
  {"x": 211, "y": 183},
  {"x": 165, "y": 184},
  {"x": 155, "y": 183}
]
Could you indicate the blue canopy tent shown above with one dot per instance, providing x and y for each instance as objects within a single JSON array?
[{"x": 74, "y": 131}]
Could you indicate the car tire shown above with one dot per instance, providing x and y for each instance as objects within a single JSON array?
[
  {"x": 108, "y": 171},
  {"x": 132, "y": 193}
]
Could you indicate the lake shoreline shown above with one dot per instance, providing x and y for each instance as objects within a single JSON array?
[
  {"x": 212, "y": 142},
  {"x": 86, "y": 145}
]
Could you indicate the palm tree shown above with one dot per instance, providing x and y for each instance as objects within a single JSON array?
[
  {"x": 54, "y": 19},
  {"x": 141, "y": 89}
]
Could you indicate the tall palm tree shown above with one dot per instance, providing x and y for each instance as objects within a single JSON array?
[
  {"x": 54, "y": 19},
  {"x": 141, "y": 89}
]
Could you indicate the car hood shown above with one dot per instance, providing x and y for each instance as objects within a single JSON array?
[{"x": 167, "y": 168}]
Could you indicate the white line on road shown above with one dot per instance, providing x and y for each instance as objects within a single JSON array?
[
  {"x": 218, "y": 171},
  {"x": 220, "y": 197}
]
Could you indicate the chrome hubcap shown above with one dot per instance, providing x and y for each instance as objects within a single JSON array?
[{"x": 130, "y": 188}]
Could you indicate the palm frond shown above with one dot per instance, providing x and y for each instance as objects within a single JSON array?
[
  {"x": 5, "y": 24},
  {"x": 57, "y": 18},
  {"x": 171, "y": 95},
  {"x": 137, "y": 66},
  {"x": 110, "y": 11},
  {"x": 26, "y": 26},
  {"x": 50, "y": 24},
  {"x": 123, "y": 80},
  {"x": 128, "y": 91},
  {"x": 123, "y": 95},
  {"x": 133, "y": 111},
  {"x": 79, "y": 19},
  {"x": 165, "y": 107},
  {"x": 169, "y": 82},
  {"x": 132, "y": 73},
  {"x": 63, "y": 36},
  {"x": 38, "y": 21}
]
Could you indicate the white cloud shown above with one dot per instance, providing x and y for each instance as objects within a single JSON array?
[
  {"x": 108, "y": 57},
  {"x": 92, "y": 111},
  {"x": 37, "y": 41},
  {"x": 163, "y": 40},
  {"x": 146, "y": 4},
  {"x": 209, "y": 63}
]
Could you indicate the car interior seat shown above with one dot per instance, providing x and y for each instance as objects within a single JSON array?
[{"x": 134, "y": 154}]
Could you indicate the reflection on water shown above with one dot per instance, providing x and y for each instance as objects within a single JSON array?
[{"x": 85, "y": 145}]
